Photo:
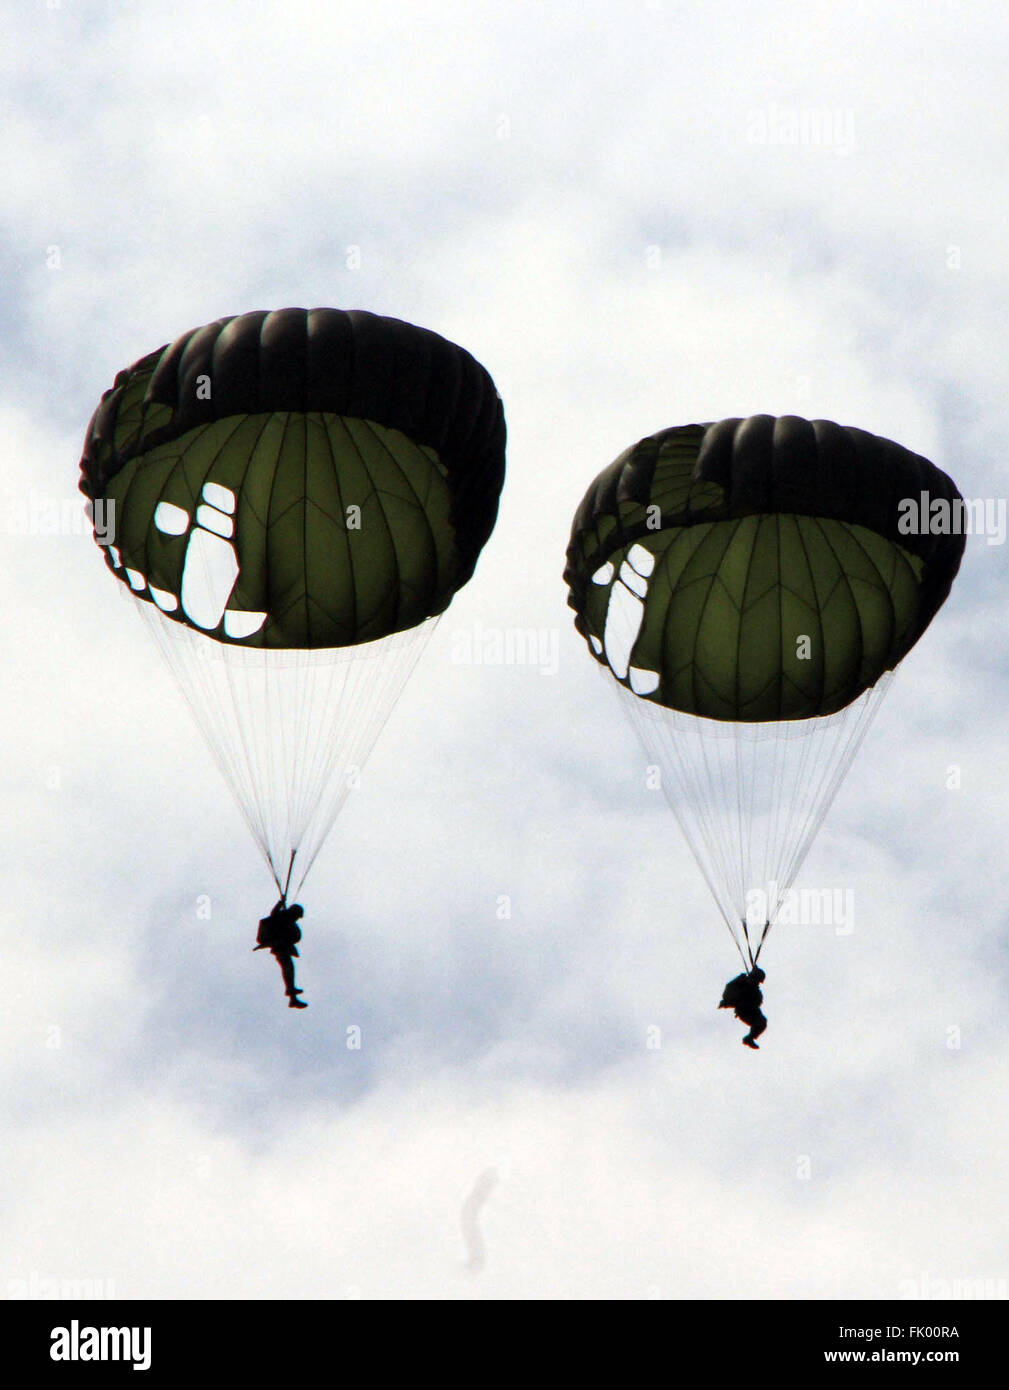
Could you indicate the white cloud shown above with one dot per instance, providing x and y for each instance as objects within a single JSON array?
[{"x": 505, "y": 175}]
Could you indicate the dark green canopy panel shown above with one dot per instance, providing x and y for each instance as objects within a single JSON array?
[
  {"x": 761, "y": 563},
  {"x": 301, "y": 478}
]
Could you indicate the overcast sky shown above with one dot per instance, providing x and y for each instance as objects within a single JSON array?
[{"x": 635, "y": 217}]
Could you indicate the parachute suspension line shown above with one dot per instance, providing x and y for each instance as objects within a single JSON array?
[
  {"x": 289, "y": 729},
  {"x": 777, "y": 798},
  {"x": 744, "y": 821},
  {"x": 246, "y": 748},
  {"x": 750, "y": 798},
  {"x": 712, "y": 786},
  {"x": 370, "y": 700},
  {"x": 851, "y": 724},
  {"x": 715, "y": 772},
  {"x": 695, "y": 782},
  {"x": 859, "y": 721},
  {"x": 232, "y": 752},
  {"x": 760, "y": 943},
  {"x": 827, "y": 751},
  {"x": 749, "y": 949},
  {"x": 287, "y": 880},
  {"x": 706, "y": 830},
  {"x": 675, "y": 768},
  {"x": 701, "y": 830}
]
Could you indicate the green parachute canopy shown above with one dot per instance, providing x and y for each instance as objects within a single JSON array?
[
  {"x": 773, "y": 575},
  {"x": 294, "y": 497},
  {"x": 350, "y": 463},
  {"x": 749, "y": 585}
]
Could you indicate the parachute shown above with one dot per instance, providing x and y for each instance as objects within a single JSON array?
[
  {"x": 749, "y": 586},
  {"x": 294, "y": 497}
]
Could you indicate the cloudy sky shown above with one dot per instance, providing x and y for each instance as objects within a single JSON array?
[{"x": 635, "y": 217}]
